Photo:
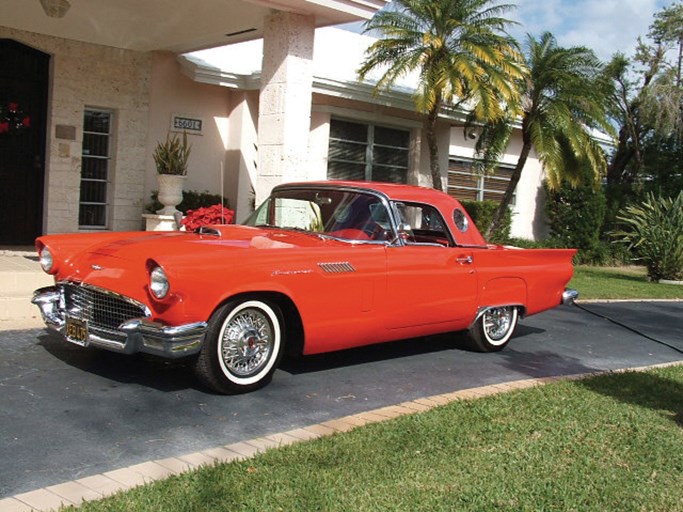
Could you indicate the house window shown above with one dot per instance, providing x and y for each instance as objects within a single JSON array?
[
  {"x": 464, "y": 183},
  {"x": 95, "y": 170},
  {"x": 367, "y": 152}
]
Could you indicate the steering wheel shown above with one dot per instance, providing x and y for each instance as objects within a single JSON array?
[{"x": 376, "y": 232}]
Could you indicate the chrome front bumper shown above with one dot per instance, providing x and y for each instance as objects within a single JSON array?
[{"x": 134, "y": 335}]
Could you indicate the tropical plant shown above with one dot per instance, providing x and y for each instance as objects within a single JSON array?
[
  {"x": 461, "y": 53},
  {"x": 647, "y": 108},
  {"x": 172, "y": 155},
  {"x": 563, "y": 100},
  {"x": 653, "y": 230}
]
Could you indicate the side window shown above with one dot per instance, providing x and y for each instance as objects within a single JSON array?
[{"x": 423, "y": 224}]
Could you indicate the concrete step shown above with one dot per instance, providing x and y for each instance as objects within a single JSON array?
[
  {"x": 22, "y": 283},
  {"x": 20, "y": 275}
]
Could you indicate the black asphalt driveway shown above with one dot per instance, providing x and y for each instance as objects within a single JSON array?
[{"x": 68, "y": 413}]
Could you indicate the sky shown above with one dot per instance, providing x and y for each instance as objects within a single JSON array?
[{"x": 605, "y": 26}]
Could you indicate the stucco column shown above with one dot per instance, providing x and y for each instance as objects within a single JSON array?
[{"x": 285, "y": 101}]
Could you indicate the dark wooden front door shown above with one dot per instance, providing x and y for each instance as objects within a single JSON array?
[{"x": 23, "y": 107}]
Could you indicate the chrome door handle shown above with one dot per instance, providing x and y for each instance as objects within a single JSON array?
[{"x": 464, "y": 260}]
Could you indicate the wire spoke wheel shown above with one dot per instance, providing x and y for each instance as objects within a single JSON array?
[
  {"x": 497, "y": 323},
  {"x": 243, "y": 346},
  {"x": 493, "y": 329},
  {"x": 247, "y": 342}
]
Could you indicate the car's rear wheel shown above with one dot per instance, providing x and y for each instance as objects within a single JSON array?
[
  {"x": 493, "y": 329},
  {"x": 243, "y": 346}
]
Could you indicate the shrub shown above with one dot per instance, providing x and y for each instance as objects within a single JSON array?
[
  {"x": 653, "y": 230},
  {"x": 192, "y": 200},
  {"x": 575, "y": 216},
  {"x": 482, "y": 214}
]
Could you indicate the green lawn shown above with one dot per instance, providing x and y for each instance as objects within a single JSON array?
[
  {"x": 620, "y": 283},
  {"x": 613, "y": 442}
]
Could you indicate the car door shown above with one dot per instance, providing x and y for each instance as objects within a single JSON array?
[{"x": 430, "y": 280}]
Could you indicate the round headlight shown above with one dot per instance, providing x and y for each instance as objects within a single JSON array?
[
  {"x": 46, "y": 260},
  {"x": 158, "y": 283}
]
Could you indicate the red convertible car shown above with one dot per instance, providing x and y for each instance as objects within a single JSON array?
[{"x": 317, "y": 267}]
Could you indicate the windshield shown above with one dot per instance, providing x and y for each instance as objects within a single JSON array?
[{"x": 338, "y": 213}]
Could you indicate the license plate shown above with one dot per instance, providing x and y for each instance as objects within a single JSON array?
[{"x": 76, "y": 331}]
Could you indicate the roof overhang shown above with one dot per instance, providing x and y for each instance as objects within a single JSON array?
[
  {"x": 400, "y": 98},
  {"x": 174, "y": 25}
]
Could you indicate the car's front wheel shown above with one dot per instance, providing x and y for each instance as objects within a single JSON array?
[
  {"x": 493, "y": 329},
  {"x": 243, "y": 346}
]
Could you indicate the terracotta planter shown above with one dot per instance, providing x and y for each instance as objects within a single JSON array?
[{"x": 170, "y": 192}]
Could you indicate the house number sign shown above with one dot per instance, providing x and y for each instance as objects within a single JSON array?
[{"x": 188, "y": 124}]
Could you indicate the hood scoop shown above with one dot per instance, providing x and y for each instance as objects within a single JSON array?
[{"x": 206, "y": 230}]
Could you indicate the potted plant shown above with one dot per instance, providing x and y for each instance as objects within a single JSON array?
[{"x": 171, "y": 159}]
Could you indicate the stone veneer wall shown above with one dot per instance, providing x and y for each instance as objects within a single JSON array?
[{"x": 86, "y": 75}]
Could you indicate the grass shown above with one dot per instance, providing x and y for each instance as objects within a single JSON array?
[
  {"x": 620, "y": 283},
  {"x": 612, "y": 442}
]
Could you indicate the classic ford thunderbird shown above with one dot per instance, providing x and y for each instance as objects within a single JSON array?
[{"x": 318, "y": 267}]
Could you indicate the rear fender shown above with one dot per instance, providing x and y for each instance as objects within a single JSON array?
[{"x": 504, "y": 291}]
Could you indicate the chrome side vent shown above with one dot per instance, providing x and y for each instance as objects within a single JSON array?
[{"x": 337, "y": 267}]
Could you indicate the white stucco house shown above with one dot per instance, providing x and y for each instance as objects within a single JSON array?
[{"x": 268, "y": 90}]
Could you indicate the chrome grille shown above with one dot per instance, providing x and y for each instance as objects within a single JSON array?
[{"x": 103, "y": 310}]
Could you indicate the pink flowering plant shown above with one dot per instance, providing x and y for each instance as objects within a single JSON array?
[{"x": 208, "y": 215}]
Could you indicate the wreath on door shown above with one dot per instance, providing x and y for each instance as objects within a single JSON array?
[{"x": 13, "y": 118}]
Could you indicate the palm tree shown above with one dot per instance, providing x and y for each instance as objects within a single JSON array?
[
  {"x": 461, "y": 52},
  {"x": 563, "y": 100}
]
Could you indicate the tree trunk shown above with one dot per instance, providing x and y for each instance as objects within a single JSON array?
[
  {"x": 623, "y": 154},
  {"x": 512, "y": 185},
  {"x": 433, "y": 144}
]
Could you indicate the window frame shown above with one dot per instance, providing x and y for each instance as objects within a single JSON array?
[
  {"x": 409, "y": 239},
  {"x": 370, "y": 166},
  {"x": 108, "y": 171}
]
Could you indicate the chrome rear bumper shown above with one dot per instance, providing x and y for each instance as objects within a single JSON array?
[
  {"x": 133, "y": 335},
  {"x": 569, "y": 296}
]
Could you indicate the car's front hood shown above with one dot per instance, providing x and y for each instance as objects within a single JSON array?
[
  {"x": 121, "y": 261},
  {"x": 217, "y": 238}
]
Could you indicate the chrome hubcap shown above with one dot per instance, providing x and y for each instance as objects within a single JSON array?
[
  {"x": 497, "y": 322},
  {"x": 247, "y": 342}
]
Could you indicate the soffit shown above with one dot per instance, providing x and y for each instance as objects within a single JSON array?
[{"x": 174, "y": 25}]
